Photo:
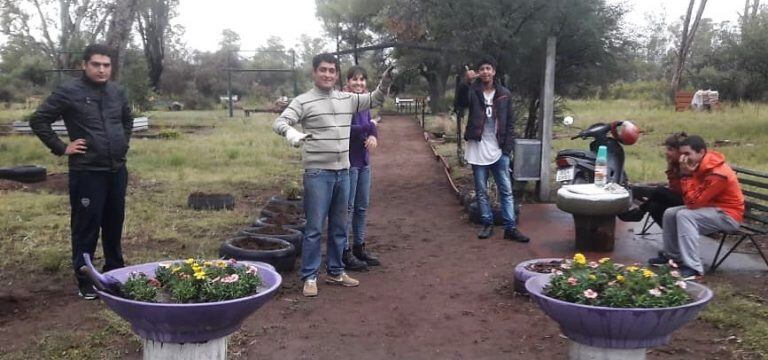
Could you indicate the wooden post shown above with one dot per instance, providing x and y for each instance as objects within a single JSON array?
[
  {"x": 215, "y": 349},
  {"x": 548, "y": 103}
]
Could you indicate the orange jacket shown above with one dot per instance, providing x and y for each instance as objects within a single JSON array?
[{"x": 714, "y": 184}]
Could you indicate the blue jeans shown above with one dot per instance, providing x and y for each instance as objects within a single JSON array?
[
  {"x": 359, "y": 196},
  {"x": 500, "y": 171},
  {"x": 325, "y": 196}
]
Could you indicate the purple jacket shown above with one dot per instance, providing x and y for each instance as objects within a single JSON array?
[{"x": 361, "y": 128}]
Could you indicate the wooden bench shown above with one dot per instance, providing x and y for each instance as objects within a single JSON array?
[{"x": 754, "y": 186}]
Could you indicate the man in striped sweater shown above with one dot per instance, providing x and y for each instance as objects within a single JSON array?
[{"x": 325, "y": 115}]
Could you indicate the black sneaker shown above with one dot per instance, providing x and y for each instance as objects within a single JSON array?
[
  {"x": 361, "y": 253},
  {"x": 662, "y": 259},
  {"x": 87, "y": 292},
  {"x": 352, "y": 263},
  {"x": 516, "y": 235},
  {"x": 486, "y": 232},
  {"x": 632, "y": 215},
  {"x": 687, "y": 273}
]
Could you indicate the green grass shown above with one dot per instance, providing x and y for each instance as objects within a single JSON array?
[{"x": 741, "y": 313}]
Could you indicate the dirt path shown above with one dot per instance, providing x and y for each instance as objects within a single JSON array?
[{"x": 440, "y": 294}]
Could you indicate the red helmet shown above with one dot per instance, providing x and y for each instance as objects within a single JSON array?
[{"x": 625, "y": 132}]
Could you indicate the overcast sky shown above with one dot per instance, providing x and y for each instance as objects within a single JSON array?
[{"x": 256, "y": 21}]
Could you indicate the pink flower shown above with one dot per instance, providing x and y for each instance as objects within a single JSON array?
[
  {"x": 655, "y": 292},
  {"x": 572, "y": 281},
  {"x": 674, "y": 273},
  {"x": 230, "y": 279},
  {"x": 154, "y": 282},
  {"x": 593, "y": 264},
  {"x": 590, "y": 294},
  {"x": 681, "y": 284},
  {"x": 565, "y": 266},
  {"x": 672, "y": 263},
  {"x": 252, "y": 270}
]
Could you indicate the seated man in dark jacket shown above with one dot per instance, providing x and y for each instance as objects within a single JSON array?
[
  {"x": 99, "y": 123},
  {"x": 489, "y": 135}
]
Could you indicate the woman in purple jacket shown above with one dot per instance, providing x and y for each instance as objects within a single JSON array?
[{"x": 362, "y": 138}]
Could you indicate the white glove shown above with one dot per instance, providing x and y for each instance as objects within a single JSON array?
[{"x": 295, "y": 137}]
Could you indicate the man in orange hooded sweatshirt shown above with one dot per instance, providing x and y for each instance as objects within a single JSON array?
[{"x": 713, "y": 202}]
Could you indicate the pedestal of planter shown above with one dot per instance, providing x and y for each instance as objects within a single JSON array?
[
  {"x": 215, "y": 349},
  {"x": 594, "y": 214},
  {"x": 578, "y": 351}
]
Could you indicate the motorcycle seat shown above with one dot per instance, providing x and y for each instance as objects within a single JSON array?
[{"x": 581, "y": 154}]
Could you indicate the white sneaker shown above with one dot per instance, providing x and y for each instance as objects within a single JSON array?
[
  {"x": 342, "y": 279},
  {"x": 310, "y": 288}
]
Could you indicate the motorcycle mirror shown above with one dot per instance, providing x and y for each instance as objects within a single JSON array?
[{"x": 568, "y": 120}]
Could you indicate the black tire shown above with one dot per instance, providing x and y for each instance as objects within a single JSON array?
[
  {"x": 203, "y": 201},
  {"x": 280, "y": 201},
  {"x": 282, "y": 259},
  {"x": 24, "y": 173},
  {"x": 298, "y": 225},
  {"x": 295, "y": 237}
]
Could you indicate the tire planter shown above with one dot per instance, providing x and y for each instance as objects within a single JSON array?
[
  {"x": 280, "y": 201},
  {"x": 291, "y": 223},
  {"x": 272, "y": 211},
  {"x": 522, "y": 273},
  {"x": 203, "y": 201},
  {"x": 188, "y": 323},
  {"x": 293, "y": 236},
  {"x": 283, "y": 257},
  {"x": 24, "y": 173},
  {"x": 617, "y": 328}
]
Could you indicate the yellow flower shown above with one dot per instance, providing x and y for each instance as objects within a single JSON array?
[
  {"x": 221, "y": 263},
  {"x": 190, "y": 261},
  {"x": 648, "y": 273},
  {"x": 175, "y": 269},
  {"x": 200, "y": 275},
  {"x": 579, "y": 259},
  {"x": 207, "y": 263},
  {"x": 603, "y": 260},
  {"x": 620, "y": 278},
  {"x": 592, "y": 277},
  {"x": 632, "y": 268}
]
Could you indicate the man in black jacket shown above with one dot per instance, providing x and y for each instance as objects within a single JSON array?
[
  {"x": 489, "y": 134},
  {"x": 99, "y": 123}
]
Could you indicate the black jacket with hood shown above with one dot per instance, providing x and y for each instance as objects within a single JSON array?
[
  {"x": 471, "y": 96},
  {"x": 98, "y": 113}
]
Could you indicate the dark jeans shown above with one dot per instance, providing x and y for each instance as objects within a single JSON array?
[
  {"x": 97, "y": 199},
  {"x": 657, "y": 199}
]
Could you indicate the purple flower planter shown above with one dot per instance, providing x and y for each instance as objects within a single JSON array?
[
  {"x": 522, "y": 274},
  {"x": 189, "y": 323},
  {"x": 617, "y": 328}
]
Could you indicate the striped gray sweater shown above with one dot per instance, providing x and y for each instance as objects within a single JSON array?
[{"x": 326, "y": 115}]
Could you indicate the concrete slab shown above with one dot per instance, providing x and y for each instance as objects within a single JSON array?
[{"x": 553, "y": 235}]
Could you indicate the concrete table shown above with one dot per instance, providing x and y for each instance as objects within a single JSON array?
[{"x": 594, "y": 211}]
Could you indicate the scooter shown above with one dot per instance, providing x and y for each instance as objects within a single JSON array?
[{"x": 575, "y": 166}]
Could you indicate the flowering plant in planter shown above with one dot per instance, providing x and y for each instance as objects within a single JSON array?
[
  {"x": 194, "y": 281},
  {"x": 608, "y": 284}
]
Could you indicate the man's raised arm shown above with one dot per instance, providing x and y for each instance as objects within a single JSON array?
[
  {"x": 376, "y": 98},
  {"x": 284, "y": 123}
]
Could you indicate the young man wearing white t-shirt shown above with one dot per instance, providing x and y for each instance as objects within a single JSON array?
[{"x": 489, "y": 135}]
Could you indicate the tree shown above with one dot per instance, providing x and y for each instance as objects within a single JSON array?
[
  {"x": 684, "y": 47},
  {"x": 349, "y": 21},
  {"x": 153, "y": 19},
  {"x": 119, "y": 31}
]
